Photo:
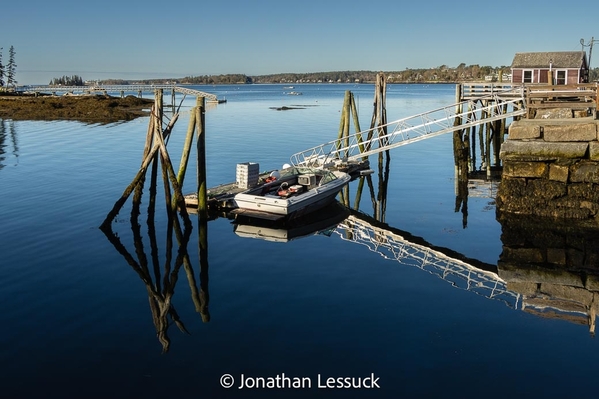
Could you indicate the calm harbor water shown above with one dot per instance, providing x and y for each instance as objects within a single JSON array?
[{"x": 78, "y": 322}]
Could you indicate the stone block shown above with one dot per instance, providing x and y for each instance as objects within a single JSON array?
[
  {"x": 585, "y": 191},
  {"x": 524, "y": 288},
  {"x": 554, "y": 113},
  {"x": 524, "y": 131},
  {"x": 592, "y": 283},
  {"x": 556, "y": 256},
  {"x": 521, "y": 272},
  {"x": 541, "y": 150},
  {"x": 594, "y": 150},
  {"x": 525, "y": 169},
  {"x": 585, "y": 172},
  {"x": 577, "y": 294},
  {"x": 523, "y": 255},
  {"x": 591, "y": 206},
  {"x": 570, "y": 132},
  {"x": 558, "y": 173},
  {"x": 545, "y": 190}
]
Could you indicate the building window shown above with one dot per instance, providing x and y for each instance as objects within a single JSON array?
[
  {"x": 560, "y": 77},
  {"x": 527, "y": 76}
]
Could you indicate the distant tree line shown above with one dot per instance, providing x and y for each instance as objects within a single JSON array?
[
  {"x": 441, "y": 74},
  {"x": 217, "y": 79},
  {"x": 74, "y": 80},
  {"x": 7, "y": 73}
]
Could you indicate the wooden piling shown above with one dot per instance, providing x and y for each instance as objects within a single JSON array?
[
  {"x": 458, "y": 144},
  {"x": 201, "y": 154},
  {"x": 487, "y": 145},
  {"x": 354, "y": 112},
  {"x": 473, "y": 148},
  {"x": 187, "y": 146}
]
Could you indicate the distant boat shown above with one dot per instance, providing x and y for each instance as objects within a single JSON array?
[
  {"x": 288, "y": 87},
  {"x": 294, "y": 93}
]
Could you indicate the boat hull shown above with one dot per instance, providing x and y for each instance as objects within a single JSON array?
[{"x": 294, "y": 206}]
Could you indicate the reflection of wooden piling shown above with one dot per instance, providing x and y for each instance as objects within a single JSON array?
[{"x": 203, "y": 255}]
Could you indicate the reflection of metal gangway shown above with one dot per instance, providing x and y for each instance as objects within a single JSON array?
[
  {"x": 415, "y": 128},
  {"x": 394, "y": 246}
]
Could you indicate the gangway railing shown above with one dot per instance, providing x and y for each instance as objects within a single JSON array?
[
  {"x": 393, "y": 246},
  {"x": 415, "y": 128}
]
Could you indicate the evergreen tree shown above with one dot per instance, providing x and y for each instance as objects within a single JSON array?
[
  {"x": 10, "y": 68},
  {"x": 74, "y": 80},
  {"x": 1, "y": 70}
]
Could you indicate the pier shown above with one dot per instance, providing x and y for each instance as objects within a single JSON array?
[
  {"x": 479, "y": 122},
  {"x": 482, "y": 112},
  {"x": 121, "y": 90}
]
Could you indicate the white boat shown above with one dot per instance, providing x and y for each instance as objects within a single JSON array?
[{"x": 291, "y": 192}]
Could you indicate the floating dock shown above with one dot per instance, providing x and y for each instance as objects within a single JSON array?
[{"x": 220, "y": 198}]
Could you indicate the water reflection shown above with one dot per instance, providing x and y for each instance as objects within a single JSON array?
[
  {"x": 8, "y": 132},
  {"x": 160, "y": 280},
  {"x": 548, "y": 270},
  {"x": 378, "y": 199},
  {"x": 322, "y": 221},
  {"x": 554, "y": 266},
  {"x": 407, "y": 249}
]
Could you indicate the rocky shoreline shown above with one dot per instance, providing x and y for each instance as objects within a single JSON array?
[{"x": 83, "y": 108}]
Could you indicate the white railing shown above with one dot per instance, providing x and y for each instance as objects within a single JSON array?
[{"x": 415, "y": 128}]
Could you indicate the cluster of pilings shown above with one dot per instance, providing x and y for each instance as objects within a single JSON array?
[
  {"x": 160, "y": 289},
  {"x": 476, "y": 148},
  {"x": 379, "y": 121}
]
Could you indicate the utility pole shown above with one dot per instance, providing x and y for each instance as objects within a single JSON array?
[{"x": 590, "y": 45}]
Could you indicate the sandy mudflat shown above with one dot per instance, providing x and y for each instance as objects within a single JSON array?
[{"x": 88, "y": 109}]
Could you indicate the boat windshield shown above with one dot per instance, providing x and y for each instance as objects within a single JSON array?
[{"x": 325, "y": 175}]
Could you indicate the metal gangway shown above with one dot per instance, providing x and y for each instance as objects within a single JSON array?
[
  {"x": 393, "y": 246},
  {"x": 136, "y": 88},
  {"x": 498, "y": 105}
]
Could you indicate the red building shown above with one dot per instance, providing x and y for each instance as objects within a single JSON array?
[{"x": 565, "y": 67}]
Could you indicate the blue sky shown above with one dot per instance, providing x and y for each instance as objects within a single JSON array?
[{"x": 134, "y": 39}]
